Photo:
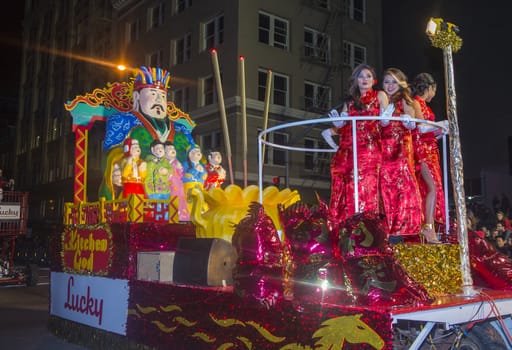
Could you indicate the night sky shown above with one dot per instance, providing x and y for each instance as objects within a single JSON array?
[{"x": 482, "y": 70}]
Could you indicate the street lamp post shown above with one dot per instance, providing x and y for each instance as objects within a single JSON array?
[{"x": 443, "y": 35}]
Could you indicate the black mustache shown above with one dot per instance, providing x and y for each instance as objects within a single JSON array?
[{"x": 157, "y": 105}]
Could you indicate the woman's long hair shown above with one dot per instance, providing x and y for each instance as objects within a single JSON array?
[
  {"x": 404, "y": 92},
  {"x": 353, "y": 90}
]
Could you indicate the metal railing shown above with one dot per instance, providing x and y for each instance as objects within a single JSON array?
[{"x": 262, "y": 140}]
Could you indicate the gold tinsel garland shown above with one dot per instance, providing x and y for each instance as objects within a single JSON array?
[
  {"x": 435, "y": 266},
  {"x": 444, "y": 38}
]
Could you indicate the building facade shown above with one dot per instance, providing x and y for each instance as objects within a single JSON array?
[{"x": 310, "y": 46}]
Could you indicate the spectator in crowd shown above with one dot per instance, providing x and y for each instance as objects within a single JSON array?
[
  {"x": 494, "y": 234},
  {"x": 501, "y": 217},
  {"x": 501, "y": 245},
  {"x": 486, "y": 231},
  {"x": 500, "y": 227}
]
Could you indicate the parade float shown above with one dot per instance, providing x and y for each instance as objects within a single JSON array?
[{"x": 252, "y": 267}]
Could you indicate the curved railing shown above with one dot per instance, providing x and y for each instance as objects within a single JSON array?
[{"x": 442, "y": 129}]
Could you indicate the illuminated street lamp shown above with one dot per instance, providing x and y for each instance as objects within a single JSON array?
[{"x": 443, "y": 35}]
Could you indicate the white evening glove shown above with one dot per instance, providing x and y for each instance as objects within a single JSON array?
[
  {"x": 334, "y": 114},
  {"x": 327, "y": 135},
  {"x": 444, "y": 128},
  {"x": 387, "y": 113},
  {"x": 424, "y": 128},
  {"x": 407, "y": 122}
]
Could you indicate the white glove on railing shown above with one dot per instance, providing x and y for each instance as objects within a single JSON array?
[
  {"x": 334, "y": 114},
  {"x": 444, "y": 128},
  {"x": 327, "y": 135},
  {"x": 407, "y": 122},
  {"x": 387, "y": 113},
  {"x": 424, "y": 128},
  {"x": 437, "y": 129}
]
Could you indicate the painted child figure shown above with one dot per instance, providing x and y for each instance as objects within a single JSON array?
[
  {"x": 133, "y": 168},
  {"x": 175, "y": 181},
  {"x": 156, "y": 183},
  {"x": 216, "y": 174},
  {"x": 194, "y": 172}
]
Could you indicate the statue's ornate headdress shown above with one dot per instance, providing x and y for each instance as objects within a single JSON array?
[{"x": 151, "y": 77}]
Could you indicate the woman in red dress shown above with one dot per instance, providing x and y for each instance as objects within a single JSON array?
[
  {"x": 362, "y": 101},
  {"x": 426, "y": 154},
  {"x": 398, "y": 186}
]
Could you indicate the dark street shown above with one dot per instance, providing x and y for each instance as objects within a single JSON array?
[{"x": 24, "y": 316}]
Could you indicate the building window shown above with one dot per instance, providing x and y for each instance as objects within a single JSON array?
[
  {"x": 156, "y": 16},
  {"x": 316, "y": 45},
  {"x": 182, "y": 49},
  {"x": 132, "y": 31},
  {"x": 279, "y": 94},
  {"x": 316, "y": 161},
  {"x": 353, "y": 54},
  {"x": 212, "y": 140},
  {"x": 182, "y": 5},
  {"x": 181, "y": 98},
  {"x": 317, "y": 97},
  {"x": 274, "y": 155},
  {"x": 273, "y": 30},
  {"x": 208, "y": 93},
  {"x": 355, "y": 10},
  {"x": 213, "y": 33},
  {"x": 155, "y": 59}
]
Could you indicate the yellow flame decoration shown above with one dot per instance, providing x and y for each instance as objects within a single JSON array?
[
  {"x": 204, "y": 337},
  {"x": 171, "y": 308},
  {"x": 227, "y": 322},
  {"x": 246, "y": 342},
  {"x": 146, "y": 310},
  {"x": 266, "y": 334},
  {"x": 133, "y": 312},
  {"x": 227, "y": 206},
  {"x": 295, "y": 346},
  {"x": 183, "y": 321},
  {"x": 226, "y": 346},
  {"x": 163, "y": 327}
]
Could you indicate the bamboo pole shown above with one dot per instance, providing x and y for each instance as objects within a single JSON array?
[
  {"x": 268, "y": 89},
  {"x": 243, "y": 106},
  {"x": 222, "y": 111}
]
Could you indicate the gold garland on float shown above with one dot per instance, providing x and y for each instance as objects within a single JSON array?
[{"x": 444, "y": 39}]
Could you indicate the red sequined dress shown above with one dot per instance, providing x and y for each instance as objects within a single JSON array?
[
  {"x": 398, "y": 185},
  {"x": 426, "y": 151},
  {"x": 342, "y": 204}
]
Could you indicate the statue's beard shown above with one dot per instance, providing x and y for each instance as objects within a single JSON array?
[{"x": 157, "y": 110}]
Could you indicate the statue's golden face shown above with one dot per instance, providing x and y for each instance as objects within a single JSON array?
[{"x": 153, "y": 102}]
